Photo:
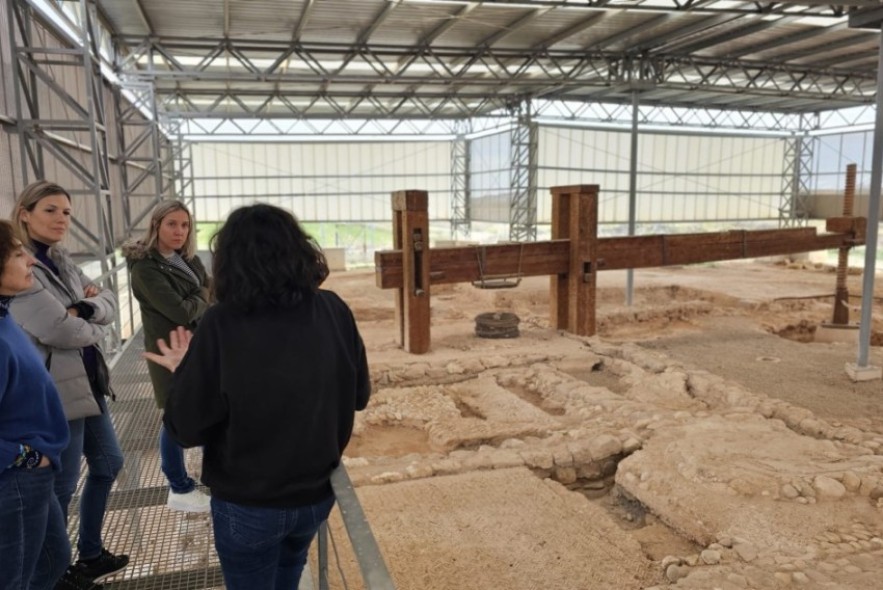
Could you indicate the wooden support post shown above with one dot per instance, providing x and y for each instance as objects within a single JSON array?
[
  {"x": 410, "y": 230},
  {"x": 575, "y": 218},
  {"x": 841, "y": 291}
]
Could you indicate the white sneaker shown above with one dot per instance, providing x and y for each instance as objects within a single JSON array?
[{"x": 193, "y": 501}]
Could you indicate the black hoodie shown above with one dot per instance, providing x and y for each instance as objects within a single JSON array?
[{"x": 271, "y": 395}]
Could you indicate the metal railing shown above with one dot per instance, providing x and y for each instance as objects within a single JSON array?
[{"x": 375, "y": 574}]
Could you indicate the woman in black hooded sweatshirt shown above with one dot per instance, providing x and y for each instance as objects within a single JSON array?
[{"x": 269, "y": 387}]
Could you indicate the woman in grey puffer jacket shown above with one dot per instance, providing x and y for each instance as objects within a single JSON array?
[{"x": 65, "y": 315}]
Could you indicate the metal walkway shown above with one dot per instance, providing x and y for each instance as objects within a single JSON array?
[
  {"x": 169, "y": 550},
  {"x": 172, "y": 550}
]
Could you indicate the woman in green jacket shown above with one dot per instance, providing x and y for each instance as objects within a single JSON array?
[{"x": 171, "y": 286}]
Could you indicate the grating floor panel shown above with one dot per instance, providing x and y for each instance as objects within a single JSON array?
[{"x": 169, "y": 550}]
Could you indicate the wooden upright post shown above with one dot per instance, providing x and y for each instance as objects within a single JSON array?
[
  {"x": 841, "y": 292},
  {"x": 410, "y": 230},
  {"x": 575, "y": 218}
]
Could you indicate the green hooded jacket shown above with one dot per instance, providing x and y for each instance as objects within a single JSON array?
[{"x": 168, "y": 298}]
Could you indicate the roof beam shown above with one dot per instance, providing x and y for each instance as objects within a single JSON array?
[
  {"x": 658, "y": 94},
  {"x": 688, "y": 29},
  {"x": 732, "y": 35},
  {"x": 452, "y": 20},
  {"x": 570, "y": 31},
  {"x": 378, "y": 20},
  {"x": 828, "y": 7},
  {"x": 848, "y": 41},
  {"x": 648, "y": 24},
  {"x": 226, "y": 18},
  {"x": 804, "y": 35},
  {"x": 430, "y": 74},
  {"x": 305, "y": 15},
  {"x": 512, "y": 27},
  {"x": 363, "y": 38},
  {"x": 846, "y": 60},
  {"x": 870, "y": 18},
  {"x": 144, "y": 18}
]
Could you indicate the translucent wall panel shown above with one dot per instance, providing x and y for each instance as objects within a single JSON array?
[
  {"x": 323, "y": 182},
  {"x": 490, "y": 176},
  {"x": 833, "y": 153},
  {"x": 681, "y": 178}
]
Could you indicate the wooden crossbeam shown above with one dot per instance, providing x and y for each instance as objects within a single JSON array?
[
  {"x": 460, "y": 263},
  {"x": 668, "y": 250}
]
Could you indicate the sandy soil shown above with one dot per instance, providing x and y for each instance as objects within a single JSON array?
[{"x": 702, "y": 440}]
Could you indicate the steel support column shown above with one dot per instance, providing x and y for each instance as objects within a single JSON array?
[
  {"x": 796, "y": 176},
  {"x": 862, "y": 367},
  {"x": 461, "y": 222},
  {"x": 168, "y": 154},
  {"x": 139, "y": 157},
  {"x": 179, "y": 164},
  {"x": 633, "y": 194},
  {"x": 184, "y": 187},
  {"x": 78, "y": 141},
  {"x": 523, "y": 181}
]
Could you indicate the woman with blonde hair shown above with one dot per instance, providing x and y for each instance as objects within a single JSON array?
[
  {"x": 171, "y": 286},
  {"x": 65, "y": 315}
]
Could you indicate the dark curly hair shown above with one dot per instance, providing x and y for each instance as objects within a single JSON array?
[{"x": 263, "y": 259}]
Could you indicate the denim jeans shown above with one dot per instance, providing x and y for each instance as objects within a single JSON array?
[
  {"x": 95, "y": 439},
  {"x": 171, "y": 456},
  {"x": 265, "y": 548},
  {"x": 34, "y": 548}
]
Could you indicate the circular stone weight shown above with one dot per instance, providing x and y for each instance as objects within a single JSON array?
[{"x": 496, "y": 324}]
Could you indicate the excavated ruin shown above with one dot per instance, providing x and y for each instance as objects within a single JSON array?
[{"x": 686, "y": 445}]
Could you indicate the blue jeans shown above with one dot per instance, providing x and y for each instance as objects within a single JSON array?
[
  {"x": 34, "y": 548},
  {"x": 171, "y": 456},
  {"x": 265, "y": 548},
  {"x": 95, "y": 439}
]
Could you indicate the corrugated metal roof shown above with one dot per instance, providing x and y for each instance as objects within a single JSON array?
[{"x": 376, "y": 53}]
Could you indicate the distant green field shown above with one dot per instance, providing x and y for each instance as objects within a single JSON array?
[
  {"x": 329, "y": 235},
  {"x": 204, "y": 233},
  {"x": 348, "y": 235}
]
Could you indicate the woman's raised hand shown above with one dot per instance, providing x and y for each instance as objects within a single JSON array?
[{"x": 170, "y": 354}]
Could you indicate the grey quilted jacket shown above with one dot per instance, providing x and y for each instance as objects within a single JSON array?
[{"x": 42, "y": 313}]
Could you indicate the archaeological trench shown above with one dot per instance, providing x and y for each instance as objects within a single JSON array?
[{"x": 703, "y": 439}]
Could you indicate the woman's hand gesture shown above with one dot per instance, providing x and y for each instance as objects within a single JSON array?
[{"x": 170, "y": 354}]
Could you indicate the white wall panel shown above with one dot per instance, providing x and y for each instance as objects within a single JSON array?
[
  {"x": 321, "y": 181},
  {"x": 680, "y": 178}
]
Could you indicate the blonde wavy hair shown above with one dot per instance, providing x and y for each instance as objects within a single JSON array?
[
  {"x": 27, "y": 201},
  {"x": 151, "y": 237}
]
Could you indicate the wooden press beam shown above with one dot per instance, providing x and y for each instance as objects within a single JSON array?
[
  {"x": 459, "y": 264},
  {"x": 573, "y": 257}
]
